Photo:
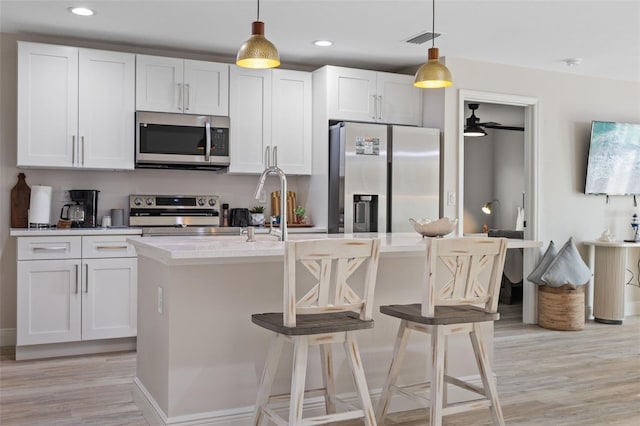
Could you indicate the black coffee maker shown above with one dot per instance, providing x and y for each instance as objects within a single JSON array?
[{"x": 85, "y": 207}]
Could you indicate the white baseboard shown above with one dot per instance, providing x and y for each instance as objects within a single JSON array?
[
  {"x": 242, "y": 416},
  {"x": 7, "y": 337},
  {"x": 85, "y": 347}
]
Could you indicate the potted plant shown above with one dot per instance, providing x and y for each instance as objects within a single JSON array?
[
  {"x": 300, "y": 212},
  {"x": 257, "y": 216}
]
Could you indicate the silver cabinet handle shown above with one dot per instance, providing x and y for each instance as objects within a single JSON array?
[
  {"x": 112, "y": 247},
  {"x": 76, "y": 278},
  {"x": 50, "y": 248},
  {"x": 375, "y": 107},
  {"x": 207, "y": 148},
  {"x": 275, "y": 156},
  {"x": 179, "y": 96},
  {"x": 188, "y": 96},
  {"x": 86, "y": 278},
  {"x": 380, "y": 107},
  {"x": 73, "y": 149},
  {"x": 82, "y": 143},
  {"x": 267, "y": 157}
]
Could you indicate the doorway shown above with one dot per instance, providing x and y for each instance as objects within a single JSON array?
[{"x": 530, "y": 178}]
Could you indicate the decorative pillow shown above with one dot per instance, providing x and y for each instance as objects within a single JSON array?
[
  {"x": 536, "y": 275},
  {"x": 567, "y": 268}
]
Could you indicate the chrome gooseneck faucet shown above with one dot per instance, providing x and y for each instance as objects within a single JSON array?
[{"x": 275, "y": 170}]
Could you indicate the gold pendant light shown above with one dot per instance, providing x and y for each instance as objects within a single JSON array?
[
  {"x": 258, "y": 52},
  {"x": 433, "y": 74}
]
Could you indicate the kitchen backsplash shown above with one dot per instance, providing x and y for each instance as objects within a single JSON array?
[{"x": 115, "y": 186}]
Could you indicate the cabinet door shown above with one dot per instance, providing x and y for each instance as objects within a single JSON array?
[
  {"x": 399, "y": 101},
  {"x": 107, "y": 109},
  {"x": 47, "y": 105},
  {"x": 250, "y": 116},
  {"x": 48, "y": 309},
  {"x": 351, "y": 94},
  {"x": 159, "y": 83},
  {"x": 109, "y": 298},
  {"x": 291, "y": 125},
  {"x": 206, "y": 88}
]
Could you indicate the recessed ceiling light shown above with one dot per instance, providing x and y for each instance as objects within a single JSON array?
[
  {"x": 323, "y": 43},
  {"x": 572, "y": 62},
  {"x": 82, "y": 11}
]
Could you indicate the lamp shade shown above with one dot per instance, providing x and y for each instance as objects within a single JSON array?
[
  {"x": 490, "y": 206},
  {"x": 433, "y": 74},
  {"x": 258, "y": 52}
]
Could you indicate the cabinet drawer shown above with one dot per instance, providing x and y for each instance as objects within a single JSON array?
[
  {"x": 100, "y": 246},
  {"x": 34, "y": 248}
]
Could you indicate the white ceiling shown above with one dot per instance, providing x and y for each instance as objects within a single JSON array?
[{"x": 366, "y": 33}]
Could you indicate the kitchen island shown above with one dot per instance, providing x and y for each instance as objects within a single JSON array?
[{"x": 199, "y": 356}]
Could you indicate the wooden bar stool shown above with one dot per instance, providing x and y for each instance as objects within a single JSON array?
[
  {"x": 328, "y": 313},
  {"x": 462, "y": 285}
]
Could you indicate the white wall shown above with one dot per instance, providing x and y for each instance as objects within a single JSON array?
[
  {"x": 479, "y": 182},
  {"x": 508, "y": 180}
]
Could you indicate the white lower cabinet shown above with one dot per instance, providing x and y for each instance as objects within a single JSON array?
[
  {"x": 109, "y": 298},
  {"x": 91, "y": 294}
]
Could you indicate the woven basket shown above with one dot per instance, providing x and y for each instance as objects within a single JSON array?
[{"x": 561, "y": 309}]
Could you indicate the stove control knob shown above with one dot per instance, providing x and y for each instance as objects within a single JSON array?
[
  {"x": 137, "y": 201},
  {"x": 149, "y": 201},
  {"x": 201, "y": 202},
  {"x": 212, "y": 202}
]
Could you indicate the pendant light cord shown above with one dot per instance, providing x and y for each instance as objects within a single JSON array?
[
  {"x": 258, "y": 14},
  {"x": 433, "y": 23}
]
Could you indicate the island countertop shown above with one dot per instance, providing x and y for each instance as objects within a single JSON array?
[{"x": 177, "y": 250}]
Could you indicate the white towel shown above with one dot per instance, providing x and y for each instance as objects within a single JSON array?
[{"x": 520, "y": 220}]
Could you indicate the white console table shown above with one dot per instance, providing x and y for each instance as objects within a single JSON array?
[{"x": 608, "y": 262}]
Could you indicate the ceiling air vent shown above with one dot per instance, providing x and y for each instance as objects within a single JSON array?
[{"x": 423, "y": 37}]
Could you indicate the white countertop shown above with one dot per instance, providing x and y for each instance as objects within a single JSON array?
[
  {"x": 611, "y": 243},
  {"x": 229, "y": 249},
  {"x": 33, "y": 232}
]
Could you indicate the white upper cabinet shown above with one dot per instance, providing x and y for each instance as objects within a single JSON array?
[
  {"x": 371, "y": 96},
  {"x": 291, "y": 120},
  {"x": 270, "y": 114},
  {"x": 75, "y": 107},
  {"x": 250, "y": 117},
  {"x": 106, "y": 107},
  {"x": 181, "y": 86}
]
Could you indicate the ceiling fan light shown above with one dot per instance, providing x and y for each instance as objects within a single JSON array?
[
  {"x": 474, "y": 132},
  {"x": 258, "y": 52},
  {"x": 433, "y": 74}
]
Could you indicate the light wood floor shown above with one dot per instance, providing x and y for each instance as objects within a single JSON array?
[{"x": 545, "y": 377}]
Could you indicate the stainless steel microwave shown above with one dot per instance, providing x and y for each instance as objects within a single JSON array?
[{"x": 183, "y": 141}]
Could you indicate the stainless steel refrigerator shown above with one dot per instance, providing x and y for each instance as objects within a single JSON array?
[{"x": 380, "y": 176}]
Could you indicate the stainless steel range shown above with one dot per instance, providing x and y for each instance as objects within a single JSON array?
[{"x": 177, "y": 214}]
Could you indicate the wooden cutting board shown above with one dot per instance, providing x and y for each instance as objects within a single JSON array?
[{"x": 20, "y": 198}]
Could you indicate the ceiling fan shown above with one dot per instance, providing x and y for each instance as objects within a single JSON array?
[{"x": 475, "y": 128}]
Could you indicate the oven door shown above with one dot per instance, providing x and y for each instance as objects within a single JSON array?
[{"x": 166, "y": 140}]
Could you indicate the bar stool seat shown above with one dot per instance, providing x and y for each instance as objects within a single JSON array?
[
  {"x": 312, "y": 324},
  {"x": 443, "y": 314},
  {"x": 329, "y": 312},
  {"x": 462, "y": 284}
]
